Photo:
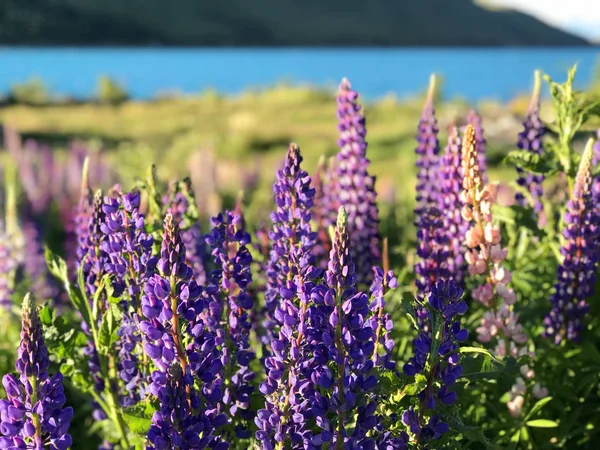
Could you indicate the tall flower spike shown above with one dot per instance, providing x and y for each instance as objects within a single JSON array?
[
  {"x": 475, "y": 120},
  {"x": 432, "y": 250},
  {"x": 445, "y": 300},
  {"x": 321, "y": 214},
  {"x": 355, "y": 186},
  {"x": 427, "y": 151},
  {"x": 596, "y": 182},
  {"x": 32, "y": 415},
  {"x": 291, "y": 235},
  {"x": 580, "y": 251},
  {"x": 450, "y": 205},
  {"x": 34, "y": 261},
  {"x": 500, "y": 324},
  {"x": 179, "y": 203},
  {"x": 8, "y": 265},
  {"x": 174, "y": 311},
  {"x": 383, "y": 280},
  {"x": 170, "y": 296},
  {"x": 230, "y": 306},
  {"x": 531, "y": 139},
  {"x": 344, "y": 351}
]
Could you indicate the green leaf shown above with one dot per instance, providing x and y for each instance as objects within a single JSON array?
[
  {"x": 544, "y": 164},
  {"x": 479, "y": 351},
  {"x": 417, "y": 386},
  {"x": 139, "y": 418},
  {"x": 538, "y": 407},
  {"x": 108, "y": 329},
  {"x": 57, "y": 266},
  {"x": 408, "y": 306},
  {"x": 542, "y": 423},
  {"x": 453, "y": 418},
  {"x": 46, "y": 315}
]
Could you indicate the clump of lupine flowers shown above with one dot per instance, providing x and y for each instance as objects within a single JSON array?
[
  {"x": 580, "y": 252},
  {"x": 531, "y": 139},
  {"x": 355, "y": 186},
  {"x": 33, "y": 414},
  {"x": 197, "y": 340},
  {"x": 427, "y": 151},
  {"x": 442, "y": 367}
]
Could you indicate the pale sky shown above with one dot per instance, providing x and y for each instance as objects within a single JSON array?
[{"x": 578, "y": 16}]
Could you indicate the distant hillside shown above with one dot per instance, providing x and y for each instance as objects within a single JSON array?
[{"x": 271, "y": 23}]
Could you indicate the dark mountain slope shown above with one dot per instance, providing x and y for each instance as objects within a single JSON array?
[{"x": 271, "y": 23}]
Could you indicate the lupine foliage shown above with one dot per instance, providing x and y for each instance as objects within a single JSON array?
[{"x": 166, "y": 331}]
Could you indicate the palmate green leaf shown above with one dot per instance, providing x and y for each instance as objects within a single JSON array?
[
  {"x": 541, "y": 423},
  {"x": 453, "y": 418},
  {"x": 417, "y": 386},
  {"x": 62, "y": 337},
  {"x": 139, "y": 417},
  {"x": 111, "y": 321},
  {"x": 408, "y": 306},
  {"x": 58, "y": 268},
  {"x": 544, "y": 164}
]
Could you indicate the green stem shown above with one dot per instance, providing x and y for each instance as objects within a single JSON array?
[
  {"x": 341, "y": 370},
  {"x": 35, "y": 417}
]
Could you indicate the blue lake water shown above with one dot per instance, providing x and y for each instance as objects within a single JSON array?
[{"x": 145, "y": 72}]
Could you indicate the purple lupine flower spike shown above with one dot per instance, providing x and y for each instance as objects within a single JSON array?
[
  {"x": 169, "y": 296},
  {"x": 91, "y": 260},
  {"x": 445, "y": 300},
  {"x": 580, "y": 251},
  {"x": 175, "y": 425},
  {"x": 428, "y": 150},
  {"x": 292, "y": 239},
  {"x": 451, "y": 205},
  {"x": 32, "y": 416},
  {"x": 383, "y": 280},
  {"x": 473, "y": 118},
  {"x": 230, "y": 306},
  {"x": 531, "y": 139},
  {"x": 43, "y": 285},
  {"x": 173, "y": 306},
  {"x": 130, "y": 263},
  {"x": 349, "y": 341},
  {"x": 355, "y": 187},
  {"x": 8, "y": 265},
  {"x": 432, "y": 250},
  {"x": 179, "y": 202},
  {"x": 83, "y": 216},
  {"x": 596, "y": 182},
  {"x": 321, "y": 214}
]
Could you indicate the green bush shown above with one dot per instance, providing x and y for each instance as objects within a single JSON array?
[
  {"x": 30, "y": 92},
  {"x": 110, "y": 91}
]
